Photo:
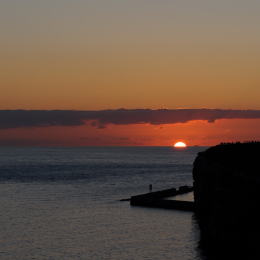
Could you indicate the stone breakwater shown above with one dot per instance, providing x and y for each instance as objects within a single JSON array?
[
  {"x": 156, "y": 199},
  {"x": 227, "y": 193}
]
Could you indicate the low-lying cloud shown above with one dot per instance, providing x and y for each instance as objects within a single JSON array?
[{"x": 100, "y": 119}]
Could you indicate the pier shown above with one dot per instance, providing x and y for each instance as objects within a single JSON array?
[{"x": 157, "y": 199}]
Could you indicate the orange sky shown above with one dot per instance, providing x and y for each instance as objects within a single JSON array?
[
  {"x": 93, "y": 55},
  {"x": 97, "y": 55},
  {"x": 192, "y": 133}
]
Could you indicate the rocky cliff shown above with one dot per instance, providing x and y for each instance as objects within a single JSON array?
[{"x": 227, "y": 192}]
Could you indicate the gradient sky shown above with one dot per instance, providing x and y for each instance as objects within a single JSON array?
[{"x": 111, "y": 54}]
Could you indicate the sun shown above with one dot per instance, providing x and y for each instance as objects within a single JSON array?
[{"x": 180, "y": 144}]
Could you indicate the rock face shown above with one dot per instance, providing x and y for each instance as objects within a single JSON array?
[{"x": 227, "y": 192}]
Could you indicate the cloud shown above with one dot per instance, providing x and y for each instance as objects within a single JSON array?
[
  {"x": 44, "y": 118},
  {"x": 101, "y": 126},
  {"x": 122, "y": 138},
  {"x": 84, "y": 138}
]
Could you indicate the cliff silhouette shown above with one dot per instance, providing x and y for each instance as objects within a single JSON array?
[{"x": 227, "y": 193}]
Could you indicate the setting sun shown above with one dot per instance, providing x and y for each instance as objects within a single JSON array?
[{"x": 180, "y": 144}]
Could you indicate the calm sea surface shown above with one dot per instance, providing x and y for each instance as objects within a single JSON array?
[{"x": 63, "y": 203}]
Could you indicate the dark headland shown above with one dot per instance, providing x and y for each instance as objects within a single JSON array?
[
  {"x": 227, "y": 194},
  {"x": 226, "y": 200}
]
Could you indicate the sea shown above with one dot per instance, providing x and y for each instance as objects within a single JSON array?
[{"x": 64, "y": 203}]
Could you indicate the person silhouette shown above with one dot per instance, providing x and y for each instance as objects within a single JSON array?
[{"x": 150, "y": 188}]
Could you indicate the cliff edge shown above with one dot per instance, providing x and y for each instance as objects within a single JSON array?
[{"x": 227, "y": 192}]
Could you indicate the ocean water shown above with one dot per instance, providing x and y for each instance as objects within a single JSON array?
[{"x": 64, "y": 203}]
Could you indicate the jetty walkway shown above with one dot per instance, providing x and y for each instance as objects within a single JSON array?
[{"x": 157, "y": 199}]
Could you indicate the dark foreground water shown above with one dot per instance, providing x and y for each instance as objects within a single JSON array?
[{"x": 63, "y": 203}]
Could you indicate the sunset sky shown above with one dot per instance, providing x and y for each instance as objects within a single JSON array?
[{"x": 152, "y": 58}]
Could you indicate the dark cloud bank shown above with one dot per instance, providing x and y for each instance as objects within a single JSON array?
[{"x": 44, "y": 118}]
